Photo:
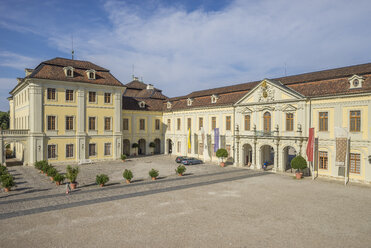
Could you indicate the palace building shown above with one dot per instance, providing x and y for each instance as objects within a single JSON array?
[{"x": 69, "y": 111}]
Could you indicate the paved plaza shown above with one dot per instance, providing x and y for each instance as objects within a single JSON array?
[{"x": 208, "y": 207}]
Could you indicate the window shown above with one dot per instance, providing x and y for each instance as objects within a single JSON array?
[
  {"x": 323, "y": 121},
  {"x": 107, "y": 149},
  {"x": 142, "y": 104},
  {"x": 169, "y": 124},
  {"x": 189, "y": 123},
  {"x": 51, "y": 94},
  {"x": 355, "y": 163},
  {"x": 228, "y": 123},
  {"x": 90, "y": 74},
  {"x": 142, "y": 124},
  {"x": 247, "y": 122},
  {"x": 125, "y": 124},
  {"x": 323, "y": 160},
  {"x": 107, "y": 123},
  {"x": 157, "y": 124},
  {"x": 200, "y": 123},
  {"x": 69, "y": 151},
  {"x": 69, "y": 122},
  {"x": 92, "y": 96},
  {"x": 289, "y": 122},
  {"x": 178, "y": 124},
  {"x": 107, "y": 97},
  {"x": 69, "y": 95},
  {"x": 92, "y": 150},
  {"x": 91, "y": 123},
  {"x": 355, "y": 121},
  {"x": 213, "y": 123},
  {"x": 52, "y": 151},
  {"x": 168, "y": 105},
  {"x": 189, "y": 101},
  {"x": 214, "y": 98},
  {"x": 267, "y": 122},
  {"x": 69, "y": 73},
  {"x": 51, "y": 122}
]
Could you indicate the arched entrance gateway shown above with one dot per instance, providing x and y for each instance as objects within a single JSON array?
[
  {"x": 14, "y": 147},
  {"x": 267, "y": 156},
  {"x": 247, "y": 154},
  {"x": 289, "y": 153},
  {"x": 126, "y": 147},
  {"x": 169, "y": 144},
  {"x": 142, "y": 147}
]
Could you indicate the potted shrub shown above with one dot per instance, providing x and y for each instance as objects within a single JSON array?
[
  {"x": 123, "y": 157},
  {"x": 180, "y": 170},
  {"x": 135, "y": 146},
  {"x": 3, "y": 170},
  {"x": 153, "y": 174},
  {"x": 102, "y": 179},
  {"x": 52, "y": 172},
  {"x": 152, "y": 145},
  {"x": 58, "y": 179},
  {"x": 7, "y": 181},
  {"x": 221, "y": 154},
  {"x": 72, "y": 173},
  {"x": 128, "y": 175},
  {"x": 299, "y": 163},
  {"x": 44, "y": 167}
]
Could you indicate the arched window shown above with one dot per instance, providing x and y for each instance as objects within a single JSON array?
[
  {"x": 69, "y": 73},
  {"x": 267, "y": 122}
]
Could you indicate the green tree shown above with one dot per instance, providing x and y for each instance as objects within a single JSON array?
[{"x": 4, "y": 120}]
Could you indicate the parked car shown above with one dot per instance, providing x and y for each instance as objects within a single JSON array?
[
  {"x": 190, "y": 161},
  {"x": 180, "y": 158}
]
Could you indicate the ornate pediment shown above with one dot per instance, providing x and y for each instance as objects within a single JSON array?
[
  {"x": 265, "y": 108},
  {"x": 245, "y": 110},
  {"x": 265, "y": 92},
  {"x": 288, "y": 108}
]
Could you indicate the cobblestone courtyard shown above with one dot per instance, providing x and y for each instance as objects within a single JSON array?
[{"x": 209, "y": 207}]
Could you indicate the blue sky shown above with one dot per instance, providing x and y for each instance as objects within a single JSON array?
[{"x": 183, "y": 46}]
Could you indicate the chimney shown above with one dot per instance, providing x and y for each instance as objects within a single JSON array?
[
  {"x": 150, "y": 87},
  {"x": 135, "y": 78},
  {"x": 28, "y": 71}
]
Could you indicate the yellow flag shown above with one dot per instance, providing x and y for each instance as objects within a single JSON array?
[{"x": 189, "y": 138}]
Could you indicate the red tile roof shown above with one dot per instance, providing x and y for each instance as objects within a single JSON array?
[
  {"x": 314, "y": 84},
  {"x": 53, "y": 70}
]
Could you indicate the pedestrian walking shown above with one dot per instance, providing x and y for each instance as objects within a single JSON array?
[{"x": 68, "y": 188}]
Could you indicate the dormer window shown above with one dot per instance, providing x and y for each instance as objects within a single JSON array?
[
  {"x": 168, "y": 105},
  {"x": 68, "y": 71},
  {"x": 355, "y": 82},
  {"x": 189, "y": 101},
  {"x": 214, "y": 98},
  {"x": 90, "y": 73},
  {"x": 142, "y": 104}
]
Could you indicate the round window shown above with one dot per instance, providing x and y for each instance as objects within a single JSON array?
[{"x": 355, "y": 82}]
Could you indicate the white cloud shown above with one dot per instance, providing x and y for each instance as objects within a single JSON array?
[
  {"x": 17, "y": 61},
  {"x": 182, "y": 51}
]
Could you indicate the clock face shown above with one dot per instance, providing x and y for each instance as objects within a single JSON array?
[{"x": 355, "y": 82}]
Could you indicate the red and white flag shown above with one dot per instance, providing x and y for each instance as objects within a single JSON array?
[{"x": 310, "y": 144}]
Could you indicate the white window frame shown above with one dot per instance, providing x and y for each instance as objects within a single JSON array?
[
  {"x": 56, "y": 151},
  {"x": 73, "y": 151},
  {"x": 95, "y": 149},
  {"x": 110, "y": 149}
]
